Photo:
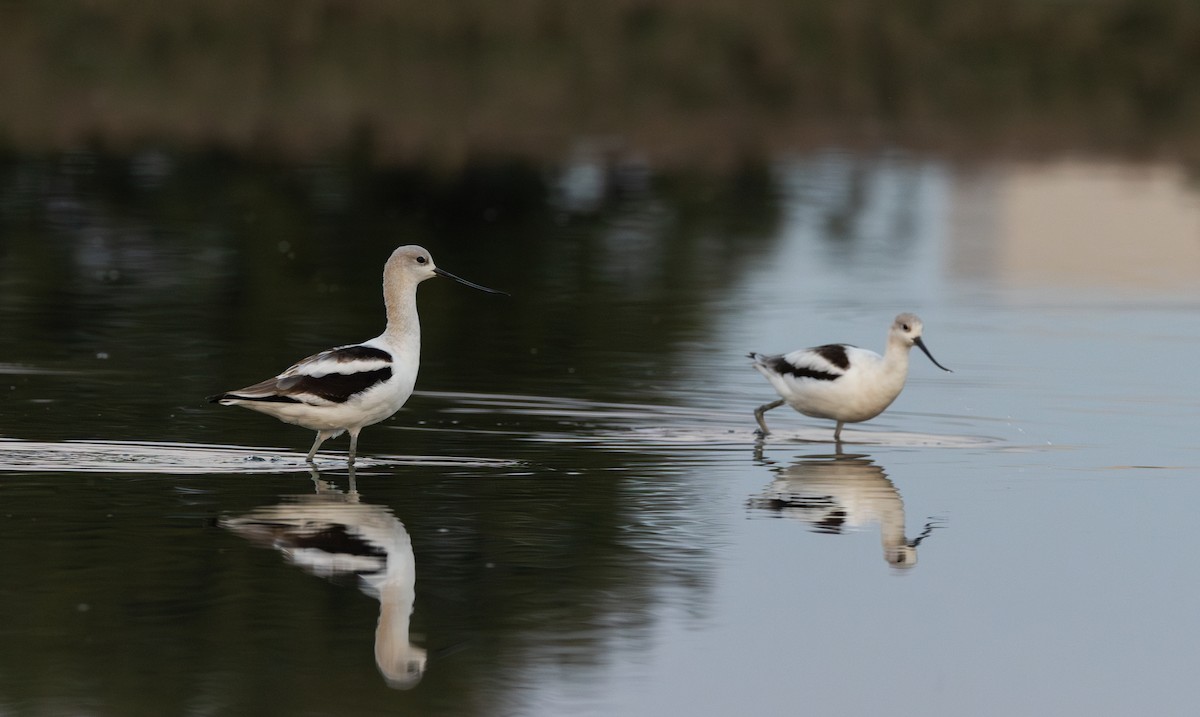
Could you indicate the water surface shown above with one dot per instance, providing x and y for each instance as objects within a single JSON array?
[{"x": 574, "y": 506}]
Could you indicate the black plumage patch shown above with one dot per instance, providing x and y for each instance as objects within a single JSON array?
[
  {"x": 336, "y": 387},
  {"x": 347, "y": 354},
  {"x": 265, "y": 399},
  {"x": 834, "y": 354},
  {"x": 779, "y": 365}
]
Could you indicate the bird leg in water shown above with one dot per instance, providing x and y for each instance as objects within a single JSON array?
[
  {"x": 321, "y": 436},
  {"x": 353, "y": 445},
  {"x": 758, "y": 415}
]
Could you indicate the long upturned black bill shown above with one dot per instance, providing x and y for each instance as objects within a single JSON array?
[
  {"x": 921, "y": 345},
  {"x": 459, "y": 279}
]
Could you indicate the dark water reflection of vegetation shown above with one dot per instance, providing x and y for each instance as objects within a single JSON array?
[
  {"x": 132, "y": 286},
  {"x": 107, "y": 253}
]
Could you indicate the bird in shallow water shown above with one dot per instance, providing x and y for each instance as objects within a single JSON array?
[
  {"x": 349, "y": 387},
  {"x": 842, "y": 382}
]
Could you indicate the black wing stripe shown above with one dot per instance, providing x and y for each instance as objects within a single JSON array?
[
  {"x": 336, "y": 387},
  {"x": 265, "y": 399},
  {"x": 346, "y": 354},
  {"x": 835, "y": 354},
  {"x": 781, "y": 366}
]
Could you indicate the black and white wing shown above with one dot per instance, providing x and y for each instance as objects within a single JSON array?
[
  {"x": 820, "y": 363},
  {"x": 332, "y": 376}
]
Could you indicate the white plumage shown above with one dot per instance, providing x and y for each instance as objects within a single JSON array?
[
  {"x": 350, "y": 387},
  {"x": 839, "y": 381}
]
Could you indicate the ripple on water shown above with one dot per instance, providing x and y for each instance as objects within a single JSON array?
[
  {"x": 630, "y": 426},
  {"x": 185, "y": 458},
  {"x": 16, "y": 369},
  {"x": 604, "y": 425}
]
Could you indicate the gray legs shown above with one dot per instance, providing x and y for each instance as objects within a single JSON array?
[
  {"x": 758, "y": 415},
  {"x": 353, "y": 443},
  {"x": 762, "y": 424},
  {"x": 321, "y": 438}
]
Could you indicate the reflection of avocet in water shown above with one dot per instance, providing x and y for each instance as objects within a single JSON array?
[
  {"x": 331, "y": 533},
  {"x": 844, "y": 491}
]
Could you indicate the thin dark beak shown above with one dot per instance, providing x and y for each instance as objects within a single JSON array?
[
  {"x": 459, "y": 279},
  {"x": 921, "y": 345}
]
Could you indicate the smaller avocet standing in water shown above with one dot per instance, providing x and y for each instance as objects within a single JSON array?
[
  {"x": 842, "y": 382},
  {"x": 347, "y": 388}
]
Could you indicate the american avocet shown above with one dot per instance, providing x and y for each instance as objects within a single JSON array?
[
  {"x": 350, "y": 387},
  {"x": 842, "y": 382}
]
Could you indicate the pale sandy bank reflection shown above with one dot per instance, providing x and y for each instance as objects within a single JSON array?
[
  {"x": 1076, "y": 224},
  {"x": 839, "y": 493},
  {"x": 332, "y": 533}
]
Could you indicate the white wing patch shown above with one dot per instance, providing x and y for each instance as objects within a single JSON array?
[{"x": 344, "y": 360}]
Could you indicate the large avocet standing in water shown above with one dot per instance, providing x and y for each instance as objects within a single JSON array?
[{"x": 350, "y": 387}]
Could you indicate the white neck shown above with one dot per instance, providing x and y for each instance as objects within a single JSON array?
[
  {"x": 896, "y": 353},
  {"x": 400, "y": 299}
]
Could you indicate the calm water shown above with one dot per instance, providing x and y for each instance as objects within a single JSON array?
[{"x": 572, "y": 515}]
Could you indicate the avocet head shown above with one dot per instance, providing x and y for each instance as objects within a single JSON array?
[
  {"x": 907, "y": 328},
  {"x": 415, "y": 264}
]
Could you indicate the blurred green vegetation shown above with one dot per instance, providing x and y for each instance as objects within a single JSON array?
[{"x": 690, "y": 81}]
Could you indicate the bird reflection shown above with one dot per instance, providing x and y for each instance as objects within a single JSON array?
[
  {"x": 331, "y": 533},
  {"x": 834, "y": 493}
]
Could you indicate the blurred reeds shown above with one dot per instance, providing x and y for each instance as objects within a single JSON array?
[{"x": 679, "y": 81}]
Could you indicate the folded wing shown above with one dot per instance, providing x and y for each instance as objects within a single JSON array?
[
  {"x": 332, "y": 376},
  {"x": 820, "y": 363}
]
